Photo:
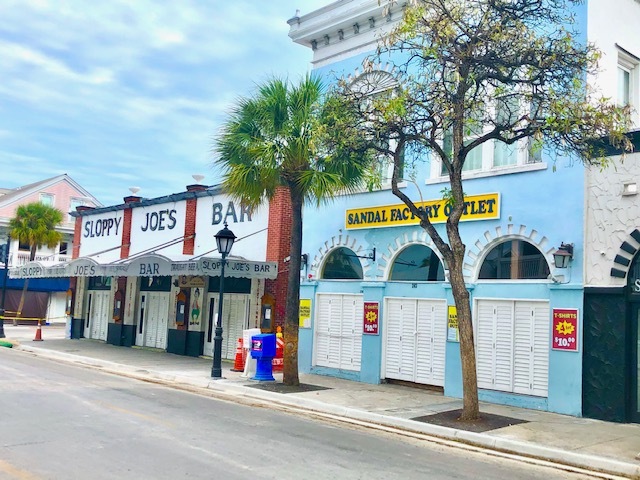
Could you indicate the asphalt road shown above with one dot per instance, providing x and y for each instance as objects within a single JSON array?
[{"x": 65, "y": 422}]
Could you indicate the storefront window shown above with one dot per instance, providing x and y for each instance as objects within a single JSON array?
[
  {"x": 514, "y": 260},
  {"x": 417, "y": 263},
  {"x": 99, "y": 283},
  {"x": 342, "y": 264}
]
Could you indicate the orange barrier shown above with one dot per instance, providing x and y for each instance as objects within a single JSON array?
[
  {"x": 278, "y": 362},
  {"x": 238, "y": 364}
]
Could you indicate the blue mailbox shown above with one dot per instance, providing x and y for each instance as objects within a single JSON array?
[{"x": 263, "y": 349}]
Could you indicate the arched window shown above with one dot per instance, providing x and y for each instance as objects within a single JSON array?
[
  {"x": 417, "y": 263},
  {"x": 342, "y": 264},
  {"x": 514, "y": 260}
]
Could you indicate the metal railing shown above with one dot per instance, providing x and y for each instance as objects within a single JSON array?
[{"x": 20, "y": 258}]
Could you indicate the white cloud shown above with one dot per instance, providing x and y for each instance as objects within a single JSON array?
[{"x": 115, "y": 91}]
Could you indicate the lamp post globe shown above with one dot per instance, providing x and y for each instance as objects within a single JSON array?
[{"x": 224, "y": 240}]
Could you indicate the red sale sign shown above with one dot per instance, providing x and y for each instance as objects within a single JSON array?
[
  {"x": 371, "y": 318},
  {"x": 564, "y": 333}
]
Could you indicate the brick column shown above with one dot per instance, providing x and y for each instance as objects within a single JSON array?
[
  {"x": 188, "y": 245},
  {"x": 278, "y": 247},
  {"x": 126, "y": 227}
]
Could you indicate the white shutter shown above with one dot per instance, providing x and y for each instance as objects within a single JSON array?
[
  {"x": 531, "y": 357},
  {"x": 164, "y": 299},
  {"x": 431, "y": 342},
  {"x": 92, "y": 306},
  {"x": 516, "y": 358},
  {"x": 523, "y": 347},
  {"x": 542, "y": 324},
  {"x": 358, "y": 320},
  {"x": 106, "y": 314},
  {"x": 346, "y": 334},
  {"x": 485, "y": 334},
  {"x": 234, "y": 316},
  {"x": 321, "y": 325},
  {"x": 408, "y": 336},
  {"x": 334, "y": 331},
  {"x": 393, "y": 323},
  {"x": 151, "y": 322},
  {"x": 338, "y": 331},
  {"x": 503, "y": 374},
  {"x": 424, "y": 341}
]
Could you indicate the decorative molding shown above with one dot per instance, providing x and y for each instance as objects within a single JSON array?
[
  {"x": 621, "y": 262},
  {"x": 416, "y": 237},
  {"x": 337, "y": 241},
  {"x": 476, "y": 254}
]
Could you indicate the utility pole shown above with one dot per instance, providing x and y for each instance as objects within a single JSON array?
[{"x": 4, "y": 255}]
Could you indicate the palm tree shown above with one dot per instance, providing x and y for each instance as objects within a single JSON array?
[
  {"x": 35, "y": 224},
  {"x": 274, "y": 140}
]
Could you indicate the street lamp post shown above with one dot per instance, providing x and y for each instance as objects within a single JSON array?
[
  {"x": 224, "y": 239},
  {"x": 4, "y": 253}
]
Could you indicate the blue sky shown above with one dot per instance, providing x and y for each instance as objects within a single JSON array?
[{"x": 123, "y": 93}]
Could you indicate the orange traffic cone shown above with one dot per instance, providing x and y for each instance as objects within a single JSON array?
[
  {"x": 38, "y": 333},
  {"x": 238, "y": 364}
]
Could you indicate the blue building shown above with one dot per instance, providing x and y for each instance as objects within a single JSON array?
[{"x": 381, "y": 307}]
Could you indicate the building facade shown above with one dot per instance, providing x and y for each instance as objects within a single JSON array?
[
  {"x": 380, "y": 307},
  {"x": 147, "y": 273},
  {"x": 46, "y": 297},
  {"x": 611, "y": 380}
]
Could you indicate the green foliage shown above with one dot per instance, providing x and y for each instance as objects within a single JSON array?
[
  {"x": 35, "y": 223},
  {"x": 279, "y": 137}
]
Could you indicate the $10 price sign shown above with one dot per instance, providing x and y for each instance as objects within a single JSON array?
[{"x": 564, "y": 332}]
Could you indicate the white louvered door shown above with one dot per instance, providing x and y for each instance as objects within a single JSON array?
[
  {"x": 415, "y": 340},
  {"x": 512, "y": 346},
  {"x": 338, "y": 331}
]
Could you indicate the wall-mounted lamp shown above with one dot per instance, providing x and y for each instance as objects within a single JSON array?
[
  {"x": 304, "y": 260},
  {"x": 563, "y": 255}
]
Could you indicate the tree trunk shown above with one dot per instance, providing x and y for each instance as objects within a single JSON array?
[
  {"x": 470, "y": 406},
  {"x": 290, "y": 367},
  {"x": 21, "y": 305},
  {"x": 32, "y": 256}
]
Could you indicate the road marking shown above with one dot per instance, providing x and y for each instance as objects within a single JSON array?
[
  {"x": 136, "y": 414},
  {"x": 15, "y": 472}
]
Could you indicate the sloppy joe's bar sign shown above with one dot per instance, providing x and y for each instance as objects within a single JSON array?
[
  {"x": 476, "y": 207},
  {"x": 149, "y": 266}
]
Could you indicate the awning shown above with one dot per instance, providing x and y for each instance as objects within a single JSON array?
[{"x": 151, "y": 265}]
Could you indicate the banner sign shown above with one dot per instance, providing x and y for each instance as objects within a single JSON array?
[
  {"x": 304, "y": 320},
  {"x": 453, "y": 335},
  {"x": 371, "y": 318},
  {"x": 148, "y": 266},
  {"x": 239, "y": 268},
  {"x": 564, "y": 331},
  {"x": 476, "y": 207}
]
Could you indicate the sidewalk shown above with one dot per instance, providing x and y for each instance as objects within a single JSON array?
[{"x": 590, "y": 444}]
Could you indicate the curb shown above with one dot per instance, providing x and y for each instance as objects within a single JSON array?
[{"x": 232, "y": 389}]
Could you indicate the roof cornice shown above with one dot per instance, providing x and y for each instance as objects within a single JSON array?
[{"x": 345, "y": 27}]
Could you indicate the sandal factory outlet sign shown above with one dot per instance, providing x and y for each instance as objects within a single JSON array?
[{"x": 476, "y": 207}]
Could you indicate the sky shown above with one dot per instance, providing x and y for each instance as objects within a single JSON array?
[{"x": 120, "y": 93}]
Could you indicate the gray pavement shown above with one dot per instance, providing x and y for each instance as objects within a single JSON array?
[{"x": 590, "y": 444}]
